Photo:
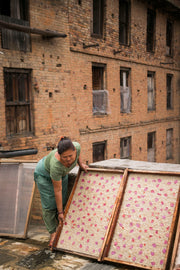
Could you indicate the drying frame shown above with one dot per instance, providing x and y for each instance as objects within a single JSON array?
[
  {"x": 158, "y": 177},
  {"x": 97, "y": 193},
  {"x": 17, "y": 191}
]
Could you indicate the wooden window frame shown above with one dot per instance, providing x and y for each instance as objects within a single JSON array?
[
  {"x": 125, "y": 90},
  {"x": 151, "y": 26},
  {"x": 104, "y": 146},
  {"x": 169, "y": 143},
  {"x": 98, "y": 18},
  {"x": 151, "y": 91},
  {"x": 169, "y": 37},
  {"x": 100, "y": 94},
  {"x": 124, "y": 22},
  {"x": 151, "y": 146},
  {"x": 16, "y": 12},
  {"x": 123, "y": 152},
  {"x": 169, "y": 88},
  {"x": 18, "y": 9},
  {"x": 18, "y": 102}
]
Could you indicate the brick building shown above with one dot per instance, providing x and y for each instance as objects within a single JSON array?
[{"x": 104, "y": 72}]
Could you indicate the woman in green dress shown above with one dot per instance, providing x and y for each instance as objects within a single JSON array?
[{"x": 51, "y": 177}]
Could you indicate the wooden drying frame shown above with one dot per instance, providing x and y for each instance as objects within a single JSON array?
[
  {"x": 172, "y": 230},
  {"x": 176, "y": 244},
  {"x": 24, "y": 235},
  {"x": 111, "y": 221},
  {"x": 115, "y": 213}
]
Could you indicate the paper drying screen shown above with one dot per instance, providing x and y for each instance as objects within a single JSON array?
[
  {"x": 89, "y": 213},
  {"x": 16, "y": 181},
  {"x": 144, "y": 226}
]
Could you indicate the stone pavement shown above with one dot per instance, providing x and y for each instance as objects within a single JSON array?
[{"x": 33, "y": 253}]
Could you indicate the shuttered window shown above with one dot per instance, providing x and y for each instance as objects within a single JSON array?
[
  {"x": 15, "y": 12},
  {"x": 18, "y": 102}
]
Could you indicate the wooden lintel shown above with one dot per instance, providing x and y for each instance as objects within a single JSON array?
[{"x": 28, "y": 29}]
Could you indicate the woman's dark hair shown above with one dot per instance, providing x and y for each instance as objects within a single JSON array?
[{"x": 65, "y": 144}]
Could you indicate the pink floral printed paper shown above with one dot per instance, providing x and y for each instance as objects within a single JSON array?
[
  {"x": 142, "y": 231},
  {"x": 89, "y": 213}
]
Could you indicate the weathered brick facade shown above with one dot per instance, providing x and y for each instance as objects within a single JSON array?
[{"x": 61, "y": 80}]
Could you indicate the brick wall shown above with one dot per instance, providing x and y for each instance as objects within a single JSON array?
[
  {"x": 61, "y": 72},
  {"x": 62, "y": 81}
]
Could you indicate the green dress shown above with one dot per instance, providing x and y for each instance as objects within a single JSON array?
[{"x": 50, "y": 168}]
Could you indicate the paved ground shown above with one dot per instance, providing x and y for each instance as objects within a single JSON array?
[{"x": 33, "y": 253}]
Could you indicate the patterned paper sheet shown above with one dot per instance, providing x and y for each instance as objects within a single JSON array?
[
  {"x": 89, "y": 213},
  {"x": 143, "y": 228}
]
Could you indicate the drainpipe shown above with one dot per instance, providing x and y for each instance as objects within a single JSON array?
[{"x": 18, "y": 153}]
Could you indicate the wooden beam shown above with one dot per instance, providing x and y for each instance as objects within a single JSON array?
[{"x": 28, "y": 29}]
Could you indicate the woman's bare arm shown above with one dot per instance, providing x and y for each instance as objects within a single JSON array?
[{"x": 58, "y": 197}]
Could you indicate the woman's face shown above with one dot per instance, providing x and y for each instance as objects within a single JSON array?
[{"x": 68, "y": 157}]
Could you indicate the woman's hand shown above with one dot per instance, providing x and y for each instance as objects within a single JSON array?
[
  {"x": 61, "y": 217},
  {"x": 84, "y": 167}
]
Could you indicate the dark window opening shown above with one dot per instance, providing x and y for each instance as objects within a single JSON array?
[
  {"x": 125, "y": 147},
  {"x": 169, "y": 38},
  {"x": 151, "y": 15},
  {"x": 5, "y": 8},
  {"x": 125, "y": 90},
  {"x": 169, "y": 143},
  {"x": 98, "y": 17},
  {"x": 18, "y": 102},
  {"x": 151, "y": 147},
  {"x": 123, "y": 21},
  {"x": 17, "y": 9},
  {"x": 99, "y": 151},
  {"x": 169, "y": 91},
  {"x": 151, "y": 90}
]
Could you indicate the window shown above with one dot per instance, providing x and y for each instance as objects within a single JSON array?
[
  {"x": 151, "y": 90},
  {"x": 18, "y": 102},
  {"x": 151, "y": 147},
  {"x": 169, "y": 29},
  {"x": 125, "y": 147},
  {"x": 16, "y": 12},
  {"x": 125, "y": 90},
  {"x": 169, "y": 91},
  {"x": 169, "y": 143},
  {"x": 151, "y": 15},
  {"x": 99, "y": 151},
  {"x": 15, "y": 9},
  {"x": 98, "y": 17},
  {"x": 124, "y": 22},
  {"x": 100, "y": 95}
]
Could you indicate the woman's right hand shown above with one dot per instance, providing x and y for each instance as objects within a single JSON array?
[{"x": 61, "y": 217}]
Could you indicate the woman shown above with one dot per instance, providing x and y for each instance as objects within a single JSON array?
[{"x": 51, "y": 177}]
